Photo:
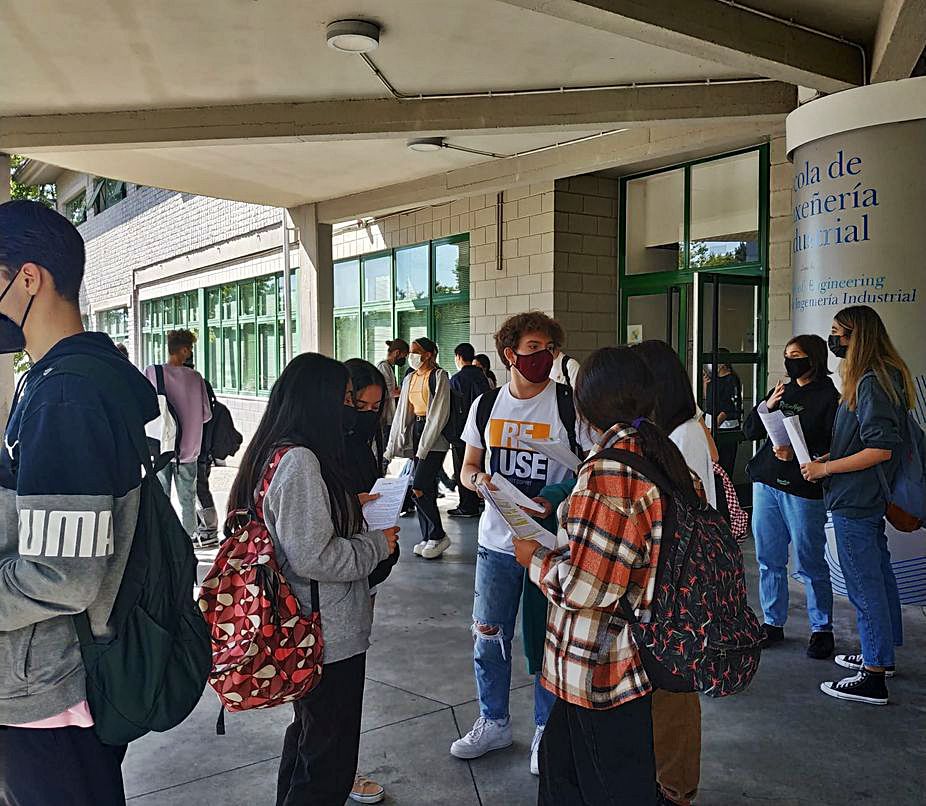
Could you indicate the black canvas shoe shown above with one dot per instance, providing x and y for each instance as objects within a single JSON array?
[
  {"x": 821, "y": 645},
  {"x": 771, "y": 635},
  {"x": 856, "y": 664},
  {"x": 867, "y": 687},
  {"x": 456, "y": 512}
]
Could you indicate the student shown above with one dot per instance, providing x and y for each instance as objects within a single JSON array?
[
  {"x": 786, "y": 509},
  {"x": 206, "y": 534},
  {"x": 186, "y": 392},
  {"x": 528, "y": 405},
  {"x": 677, "y": 716},
  {"x": 469, "y": 383},
  {"x": 317, "y": 530},
  {"x": 421, "y": 415},
  {"x": 396, "y": 356},
  {"x": 598, "y": 745},
  {"x": 67, "y": 455},
  {"x": 483, "y": 361},
  {"x": 726, "y": 405},
  {"x": 870, "y": 427}
]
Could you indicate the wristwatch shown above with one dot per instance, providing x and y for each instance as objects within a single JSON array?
[{"x": 472, "y": 478}]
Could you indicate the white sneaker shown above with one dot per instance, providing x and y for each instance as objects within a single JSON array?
[
  {"x": 419, "y": 547},
  {"x": 486, "y": 735},
  {"x": 535, "y": 750},
  {"x": 434, "y": 548}
]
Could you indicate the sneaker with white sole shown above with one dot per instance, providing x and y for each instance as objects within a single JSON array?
[
  {"x": 434, "y": 548},
  {"x": 535, "y": 750},
  {"x": 419, "y": 547},
  {"x": 366, "y": 791},
  {"x": 867, "y": 687},
  {"x": 856, "y": 663},
  {"x": 486, "y": 735}
]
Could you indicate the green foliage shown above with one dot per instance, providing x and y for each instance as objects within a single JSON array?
[{"x": 40, "y": 193}]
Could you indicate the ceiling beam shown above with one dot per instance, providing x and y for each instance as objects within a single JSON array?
[
  {"x": 707, "y": 29},
  {"x": 379, "y": 118},
  {"x": 634, "y": 149},
  {"x": 899, "y": 39}
]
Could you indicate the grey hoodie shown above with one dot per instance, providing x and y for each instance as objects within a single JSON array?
[{"x": 298, "y": 516}]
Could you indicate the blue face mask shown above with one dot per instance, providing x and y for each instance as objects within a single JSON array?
[{"x": 12, "y": 338}]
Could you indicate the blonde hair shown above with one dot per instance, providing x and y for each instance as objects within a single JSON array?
[{"x": 871, "y": 350}]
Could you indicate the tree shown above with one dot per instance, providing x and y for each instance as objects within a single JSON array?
[{"x": 40, "y": 193}]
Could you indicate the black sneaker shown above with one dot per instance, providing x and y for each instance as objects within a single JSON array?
[
  {"x": 821, "y": 645},
  {"x": 865, "y": 687},
  {"x": 456, "y": 512},
  {"x": 771, "y": 635},
  {"x": 856, "y": 664},
  {"x": 206, "y": 541}
]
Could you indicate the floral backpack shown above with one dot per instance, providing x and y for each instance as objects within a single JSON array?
[{"x": 265, "y": 651}]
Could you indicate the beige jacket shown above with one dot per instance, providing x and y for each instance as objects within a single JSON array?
[{"x": 401, "y": 437}]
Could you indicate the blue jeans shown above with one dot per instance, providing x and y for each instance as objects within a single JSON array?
[
  {"x": 780, "y": 519},
  {"x": 184, "y": 479},
  {"x": 870, "y": 583},
  {"x": 499, "y": 580}
]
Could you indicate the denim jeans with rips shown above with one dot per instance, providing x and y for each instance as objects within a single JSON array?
[{"x": 184, "y": 479}]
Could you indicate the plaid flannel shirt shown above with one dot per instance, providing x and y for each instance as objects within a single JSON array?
[{"x": 614, "y": 527}]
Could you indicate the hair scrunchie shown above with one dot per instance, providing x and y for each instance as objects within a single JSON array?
[{"x": 636, "y": 423}]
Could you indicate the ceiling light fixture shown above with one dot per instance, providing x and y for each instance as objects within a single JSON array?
[
  {"x": 353, "y": 36},
  {"x": 425, "y": 144}
]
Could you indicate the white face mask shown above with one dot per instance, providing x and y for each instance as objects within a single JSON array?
[{"x": 414, "y": 360}]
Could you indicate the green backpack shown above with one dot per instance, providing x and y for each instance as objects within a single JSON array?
[{"x": 152, "y": 672}]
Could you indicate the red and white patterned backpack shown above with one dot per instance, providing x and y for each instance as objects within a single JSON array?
[{"x": 265, "y": 651}]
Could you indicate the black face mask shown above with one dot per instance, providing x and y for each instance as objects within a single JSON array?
[
  {"x": 400, "y": 362},
  {"x": 349, "y": 419},
  {"x": 12, "y": 338},
  {"x": 365, "y": 424},
  {"x": 797, "y": 367},
  {"x": 837, "y": 348}
]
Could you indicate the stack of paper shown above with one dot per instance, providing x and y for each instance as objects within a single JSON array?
[
  {"x": 383, "y": 513},
  {"x": 522, "y": 526},
  {"x": 774, "y": 425},
  {"x": 555, "y": 450},
  {"x": 796, "y": 436}
]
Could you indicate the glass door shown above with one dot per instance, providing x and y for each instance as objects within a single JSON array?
[{"x": 659, "y": 314}]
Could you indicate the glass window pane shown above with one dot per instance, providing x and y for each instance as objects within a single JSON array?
[
  {"x": 451, "y": 327},
  {"x": 213, "y": 299},
  {"x": 735, "y": 397},
  {"x": 167, "y": 311},
  {"x": 192, "y": 306},
  {"x": 346, "y": 333},
  {"x": 647, "y": 318},
  {"x": 268, "y": 355},
  {"x": 229, "y": 302},
  {"x": 249, "y": 357},
  {"x": 737, "y": 321},
  {"x": 411, "y": 273},
  {"x": 230, "y": 358},
  {"x": 377, "y": 330},
  {"x": 377, "y": 279},
  {"x": 246, "y": 298},
  {"x": 266, "y": 296},
  {"x": 212, "y": 356},
  {"x": 347, "y": 284},
  {"x": 412, "y": 324},
  {"x": 157, "y": 349},
  {"x": 725, "y": 211},
  {"x": 451, "y": 268},
  {"x": 655, "y": 223}
]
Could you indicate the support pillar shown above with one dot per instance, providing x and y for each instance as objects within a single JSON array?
[{"x": 316, "y": 281}]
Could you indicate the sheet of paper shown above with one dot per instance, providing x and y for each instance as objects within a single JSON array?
[
  {"x": 553, "y": 449},
  {"x": 521, "y": 525},
  {"x": 774, "y": 425},
  {"x": 514, "y": 495},
  {"x": 383, "y": 513},
  {"x": 796, "y": 435}
]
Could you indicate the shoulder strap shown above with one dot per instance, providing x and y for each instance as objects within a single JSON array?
[
  {"x": 567, "y": 414},
  {"x": 159, "y": 376},
  {"x": 566, "y": 370},
  {"x": 639, "y": 463},
  {"x": 484, "y": 412}
]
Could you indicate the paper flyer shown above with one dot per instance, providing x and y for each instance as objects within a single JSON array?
[
  {"x": 796, "y": 435},
  {"x": 383, "y": 513},
  {"x": 555, "y": 450},
  {"x": 774, "y": 425},
  {"x": 522, "y": 526}
]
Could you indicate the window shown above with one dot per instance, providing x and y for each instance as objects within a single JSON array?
[
  {"x": 107, "y": 193},
  {"x": 115, "y": 324},
  {"x": 240, "y": 326},
  {"x": 75, "y": 209},
  {"x": 415, "y": 291}
]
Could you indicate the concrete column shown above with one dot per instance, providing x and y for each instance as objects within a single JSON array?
[
  {"x": 6, "y": 361},
  {"x": 316, "y": 281}
]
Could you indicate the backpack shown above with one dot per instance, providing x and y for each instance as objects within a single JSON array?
[
  {"x": 453, "y": 428},
  {"x": 564, "y": 404},
  {"x": 906, "y": 499},
  {"x": 151, "y": 672},
  {"x": 265, "y": 652},
  {"x": 220, "y": 437},
  {"x": 165, "y": 433},
  {"x": 701, "y": 634},
  {"x": 566, "y": 360},
  {"x": 728, "y": 505}
]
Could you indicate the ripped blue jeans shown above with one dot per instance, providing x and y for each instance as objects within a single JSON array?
[{"x": 499, "y": 580}]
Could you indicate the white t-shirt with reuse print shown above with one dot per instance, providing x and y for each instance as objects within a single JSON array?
[{"x": 527, "y": 470}]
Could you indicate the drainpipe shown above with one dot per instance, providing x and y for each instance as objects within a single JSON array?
[{"x": 287, "y": 296}]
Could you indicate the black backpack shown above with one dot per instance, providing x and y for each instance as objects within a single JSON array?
[
  {"x": 162, "y": 459},
  {"x": 701, "y": 634},
  {"x": 220, "y": 437},
  {"x": 564, "y": 404},
  {"x": 150, "y": 674},
  {"x": 459, "y": 410}
]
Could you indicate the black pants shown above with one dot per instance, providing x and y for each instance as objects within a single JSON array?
[
  {"x": 321, "y": 746},
  {"x": 469, "y": 501},
  {"x": 40, "y": 767},
  {"x": 425, "y": 480},
  {"x": 203, "y": 493},
  {"x": 727, "y": 448},
  {"x": 598, "y": 758}
]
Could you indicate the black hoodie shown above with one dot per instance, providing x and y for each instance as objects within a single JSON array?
[{"x": 815, "y": 405}]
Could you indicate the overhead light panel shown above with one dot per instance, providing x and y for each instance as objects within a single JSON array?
[
  {"x": 353, "y": 36},
  {"x": 423, "y": 144}
]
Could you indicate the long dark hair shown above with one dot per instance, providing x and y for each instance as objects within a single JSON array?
[
  {"x": 305, "y": 409},
  {"x": 615, "y": 386},
  {"x": 362, "y": 375},
  {"x": 675, "y": 403}
]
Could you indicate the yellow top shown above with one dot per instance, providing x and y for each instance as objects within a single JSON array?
[{"x": 419, "y": 394}]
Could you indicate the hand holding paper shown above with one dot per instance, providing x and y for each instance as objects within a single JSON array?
[
  {"x": 383, "y": 511},
  {"x": 774, "y": 426},
  {"x": 796, "y": 436},
  {"x": 522, "y": 526}
]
